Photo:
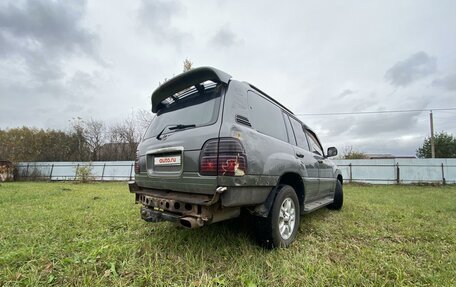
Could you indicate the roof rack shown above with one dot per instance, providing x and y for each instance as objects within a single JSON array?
[{"x": 269, "y": 97}]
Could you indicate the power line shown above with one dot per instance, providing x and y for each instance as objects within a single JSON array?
[{"x": 375, "y": 112}]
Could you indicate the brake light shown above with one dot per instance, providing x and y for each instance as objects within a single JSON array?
[{"x": 223, "y": 156}]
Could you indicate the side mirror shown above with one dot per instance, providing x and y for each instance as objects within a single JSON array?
[{"x": 332, "y": 151}]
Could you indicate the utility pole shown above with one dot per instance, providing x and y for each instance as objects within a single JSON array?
[{"x": 431, "y": 118}]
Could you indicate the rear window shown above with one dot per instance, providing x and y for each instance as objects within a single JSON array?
[{"x": 199, "y": 108}]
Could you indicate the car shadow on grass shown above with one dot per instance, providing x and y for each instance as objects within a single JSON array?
[{"x": 235, "y": 235}]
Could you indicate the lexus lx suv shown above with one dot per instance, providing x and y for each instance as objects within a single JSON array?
[{"x": 218, "y": 146}]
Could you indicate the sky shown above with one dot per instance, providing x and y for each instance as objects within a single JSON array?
[{"x": 102, "y": 60}]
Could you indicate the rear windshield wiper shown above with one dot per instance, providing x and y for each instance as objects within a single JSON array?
[
  {"x": 180, "y": 127},
  {"x": 174, "y": 127}
]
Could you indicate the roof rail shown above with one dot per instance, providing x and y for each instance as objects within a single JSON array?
[
  {"x": 269, "y": 97},
  {"x": 186, "y": 80}
]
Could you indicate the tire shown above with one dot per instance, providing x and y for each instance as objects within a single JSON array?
[
  {"x": 280, "y": 228},
  {"x": 338, "y": 197}
]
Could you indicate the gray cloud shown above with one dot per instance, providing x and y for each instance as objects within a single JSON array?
[
  {"x": 43, "y": 33},
  {"x": 416, "y": 67},
  {"x": 448, "y": 82},
  {"x": 224, "y": 37},
  {"x": 38, "y": 40},
  {"x": 157, "y": 16},
  {"x": 48, "y": 103},
  {"x": 383, "y": 124},
  {"x": 393, "y": 145},
  {"x": 346, "y": 92}
]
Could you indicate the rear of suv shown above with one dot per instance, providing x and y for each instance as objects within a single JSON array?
[{"x": 218, "y": 146}]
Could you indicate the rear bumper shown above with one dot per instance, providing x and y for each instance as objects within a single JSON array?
[
  {"x": 188, "y": 210},
  {"x": 164, "y": 201},
  {"x": 230, "y": 196}
]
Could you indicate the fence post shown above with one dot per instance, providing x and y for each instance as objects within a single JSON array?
[
  {"x": 26, "y": 172},
  {"x": 76, "y": 172},
  {"x": 131, "y": 170},
  {"x": 351, "y": 173},
  {"x": 398, "y": 174},
  {"x": 443, "y": 176},
  {"x": 102, "y": 173},
  {"x": 50, "y": 175}
]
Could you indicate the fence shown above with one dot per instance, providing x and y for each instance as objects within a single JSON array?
[
  {"x": 397, "y": 171},
  {"x": 102, "y": 171},
  {"x": 384, "y": 171}
]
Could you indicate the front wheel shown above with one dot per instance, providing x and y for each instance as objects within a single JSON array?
[
  {"x": 280, "y": 228},
  {"x": 338, "y": 197}
]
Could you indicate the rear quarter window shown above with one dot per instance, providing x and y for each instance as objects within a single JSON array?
[{"x": 266, "y": 117}]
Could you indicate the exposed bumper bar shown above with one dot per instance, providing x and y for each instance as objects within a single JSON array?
[
  {"x": 151, "y": 215},
  {"x": 187, "y": 210}
]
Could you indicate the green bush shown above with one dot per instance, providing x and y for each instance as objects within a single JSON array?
[{"x": 84, "y": 173}]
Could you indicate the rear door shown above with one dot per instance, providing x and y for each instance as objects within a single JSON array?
[{"x": 309, "y": 163}]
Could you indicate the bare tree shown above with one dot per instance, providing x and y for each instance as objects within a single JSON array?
[
  {"x": 143, "y": 119},
  {"x": 94, "y": 134},
  {"x": 188, "y": 65},
  {"x": 77, "y": 126},
  {"x": 130, "y": 135},
  {"x": 123, "y": 140}
]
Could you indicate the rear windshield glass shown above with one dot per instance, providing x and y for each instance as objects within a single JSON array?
[{"x": 196, "y": 108}]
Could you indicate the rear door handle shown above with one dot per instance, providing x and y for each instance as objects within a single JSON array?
[{"x": 299, "y": 155}]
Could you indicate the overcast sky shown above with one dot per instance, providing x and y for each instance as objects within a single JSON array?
[{"x": 102, "y": 60}]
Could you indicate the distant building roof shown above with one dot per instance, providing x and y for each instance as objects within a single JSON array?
[{"x": 387, "y": 156}]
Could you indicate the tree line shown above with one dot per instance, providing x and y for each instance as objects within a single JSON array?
[{"x": 85, "y": 140}]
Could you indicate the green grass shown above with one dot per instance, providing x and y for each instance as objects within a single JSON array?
[{"x": 92, "y": 234}]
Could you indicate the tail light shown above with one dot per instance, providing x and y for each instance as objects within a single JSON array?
[
  {"x": 224, "y": 157},
  {"x": 137, "y": 167}
]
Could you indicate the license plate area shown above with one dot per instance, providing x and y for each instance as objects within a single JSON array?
[
  {"x": 169, "y": 160},
  {"x": 165, "y": 162}
]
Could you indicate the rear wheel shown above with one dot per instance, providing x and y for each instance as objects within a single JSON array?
[
  {"x": 338, "y": 197},
  {"x": 280, "y": 228}
]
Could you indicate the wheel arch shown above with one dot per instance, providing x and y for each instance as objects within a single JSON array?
[
  {"x": 294, "y": 180},
  {"x": 289, "y": 178},
  {"x": 339, "y": 177}
]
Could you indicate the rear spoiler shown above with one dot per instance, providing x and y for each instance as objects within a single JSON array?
[{"x": 186, "y": 80}]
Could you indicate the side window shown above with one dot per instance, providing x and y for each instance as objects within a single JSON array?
[
  {"x": 299, "y": 134},
  {"x": 291, "y": 137},
  {"x": 314, "y": 145},
  {"x": 266, "y": 117}
]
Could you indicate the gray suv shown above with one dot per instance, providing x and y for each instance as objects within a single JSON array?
[{"x": 218, "y": 146}]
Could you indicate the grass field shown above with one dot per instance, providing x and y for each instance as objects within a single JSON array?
[{"x": 92, "y": 234}]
